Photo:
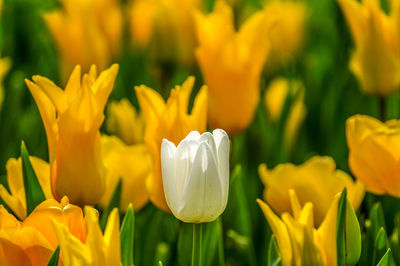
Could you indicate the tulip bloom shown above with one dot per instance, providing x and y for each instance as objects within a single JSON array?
[
  {"x": 125, "y": 122},
  {"x": 231, "y": 63},
  {"x": 300, "y": 243},
  {"x": 72, "y": 118},
  {"x": 15, "y": 199},
  {"x": 287, "y": 31},
  {"x": 32, "y": 241},
  {"x": 274, "y": 100},
  {"x": 131, "y": 163},
  {"x": 169, "y": 120},
  {"x": 376, "y": 60},
  {"x": 196, "y": 176},
  {"x": 98, "y": 249},
  {"x": 86, "y": 32},
  {"x": 316, "y": 181},
  {"x": 166, "y": 27},
  {"x": 373, "y": 153}
]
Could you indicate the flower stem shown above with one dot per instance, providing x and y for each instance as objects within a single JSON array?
[{"x": 196, "y": 251}]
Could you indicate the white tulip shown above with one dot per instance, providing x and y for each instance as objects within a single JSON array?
[{"x": 196, "y": 176}]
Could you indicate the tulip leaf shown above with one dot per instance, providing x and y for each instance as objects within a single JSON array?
[
  {"x": 395, "y": 245},
  {"x": 274, "y": 256},
  {"x": 381, "y": 245},
  {"x": 352, "y": 236},
  {"x": 33, "y": 191},
  {"x": 114, "y": 203},
  {"x": 54, "y": 257},
  {"x": 340, "y": 230},
  {"x": 127, "y": 237},
  {"x": 387, "y": 259}
]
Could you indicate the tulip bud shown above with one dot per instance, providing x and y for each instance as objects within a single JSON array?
[{"x": 196, "y": 176}]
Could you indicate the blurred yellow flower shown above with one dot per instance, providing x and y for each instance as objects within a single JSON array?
[
  {"x": 316, "y": 181},
  {"x": 169, "y": 120},
  {"x": 5, "y": 64},
  {"x": 15, "y": 199},
  {"x": 97, "y": 249},
  {"x": 300, "y": 243},
  {"x": 287, "y": 32},
  {"x": 376, "y": 59},
  {"x": 274, "y": 100},
  {"x": 374, "y": 151},
  {"x": 32, "y": 241},
  {"x": 72, "y": 118},
  {"x": 125, "y": 122},
  {"x": 166, "y": 26},
  {"x": 231, "y": 63},
  {"x": 86, "y": 32},
  {"x": 131, "y": 163}
]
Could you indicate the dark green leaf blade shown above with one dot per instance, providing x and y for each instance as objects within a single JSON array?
[
  {"x": 54, "y": 257},
  {"x": 33, "y": 191},
  {"x": 127, "y": 235}
]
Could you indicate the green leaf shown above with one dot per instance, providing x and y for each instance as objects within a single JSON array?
[
  {"x": 381, "y": 245},
  {"x": 387, "y": 259},
  {"x": 340, "y": 229},
  {"x": 54, "y": 257},
  {"x": 33, "y": 191},
  {"x": 353, "y": 236},
  {"x": 394, "y": 243},
  {"x": 274, "y": 256},
  {"x": 127, "y": 236},
  {"x": 243, "y": 245},
  {"x": 114, "y": 203}
]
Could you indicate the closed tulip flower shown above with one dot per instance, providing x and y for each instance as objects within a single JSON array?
[
  {"x": 72, "y": 119},
  {"x": 231, "y": 63},
  {"x": 376, "y": 59},
  {"x": 196, "y": 176},
  {"x": 374, "y": 151}
]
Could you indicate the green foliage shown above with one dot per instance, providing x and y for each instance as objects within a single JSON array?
[
  {"x": 33, "y": 191},
  {"x": 54, "y": 257},
  {"x": 127, "y": 237},
  {"x": 274, "y": 256}
]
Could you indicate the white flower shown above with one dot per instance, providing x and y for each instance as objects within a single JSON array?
[{"x": 196, "y": 176}]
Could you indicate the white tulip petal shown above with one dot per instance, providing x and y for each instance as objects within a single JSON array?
[
  {"x": 208, "y": 138},
  {"x": 222, "y": 143},
  {"x": 193, "y": 135},
  {"x": 202, "y": 198},
  {"x": 168, "y": 151},
  {"x": 184, "y": 156}
]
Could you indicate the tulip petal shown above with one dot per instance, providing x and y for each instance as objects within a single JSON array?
[
  {"x": 202, "y": 195},
  {"x": 222, "y": 144},
  {"x": 168, "y": 151}
]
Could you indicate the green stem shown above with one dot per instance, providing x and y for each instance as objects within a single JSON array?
[
  {"x": 196, "y": 251},
  {"x": 382, "y": 108}
]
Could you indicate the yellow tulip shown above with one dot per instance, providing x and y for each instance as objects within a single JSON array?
[
  {"x": 316, "y": 181},
  {"x": 166, "y": 25},
  {"x": 301, "y": 244},
  {"x": 15, "y": 199},
  {"x": 169, "y": 120},
  {"x": 131, "y": 163},
  {"x": 5, "y": 64},
  {"x": 231, "y": 63},
  {"x": 125, "y": 122},
  {"x": 72, "y": 118},
  {"x": 86, "y": 32},
  {"x": 32, "y": 241},
  {"x": 97, "y": 249},
  {"x": 287, "y": 32},
  {"x": 374, "y": 149},
  {"x": 274, "y": 99},
  {"x": 376, "y": 59}
]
